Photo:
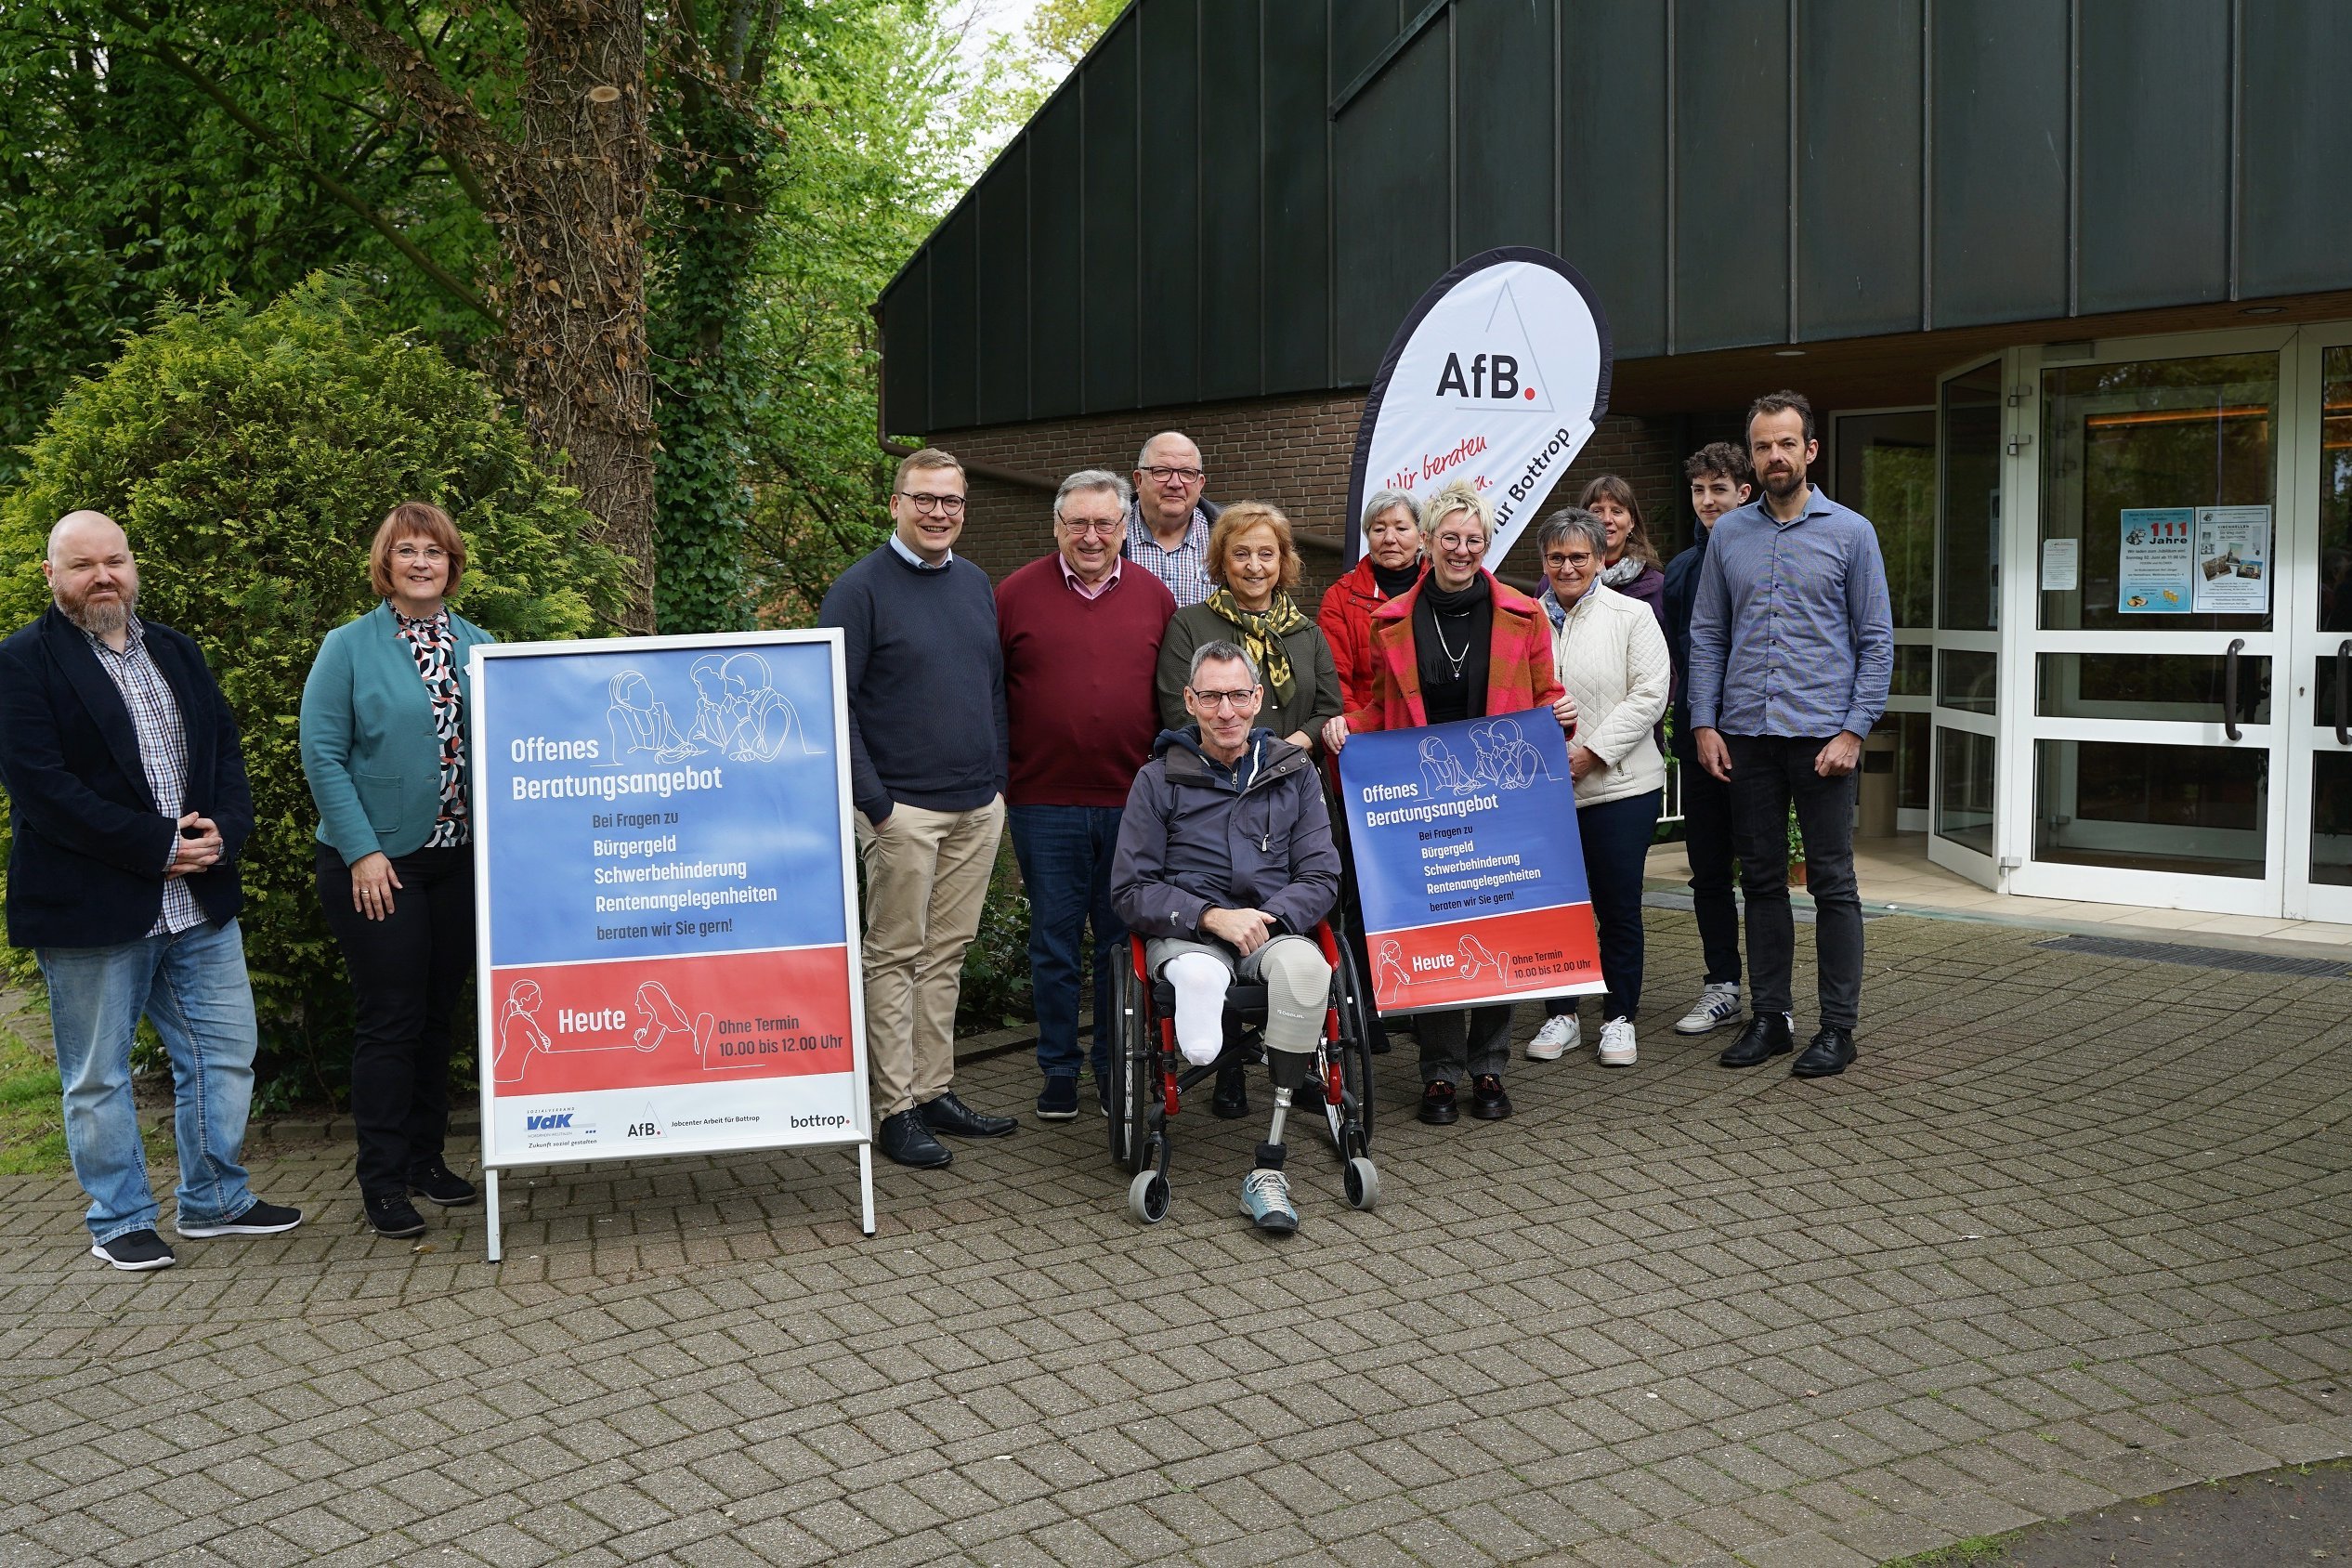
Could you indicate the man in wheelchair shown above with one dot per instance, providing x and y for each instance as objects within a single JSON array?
[{"x": 1225, "y": 866}]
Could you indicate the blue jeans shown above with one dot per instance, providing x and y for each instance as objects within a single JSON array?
[
  {"x": 192, "y": 987},
  {"x": 1065, "y": 853}
]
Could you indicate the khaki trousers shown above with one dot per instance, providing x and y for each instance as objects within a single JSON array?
[{"x": 926, "y": 879}]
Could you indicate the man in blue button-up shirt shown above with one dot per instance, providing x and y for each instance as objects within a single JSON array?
[{"x": 1792, "y": 646}]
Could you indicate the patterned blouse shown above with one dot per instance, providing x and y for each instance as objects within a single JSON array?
[{"x": 434, "y": 645}]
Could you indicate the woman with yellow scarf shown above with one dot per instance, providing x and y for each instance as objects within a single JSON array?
[{"x": 1255, "y": 565}]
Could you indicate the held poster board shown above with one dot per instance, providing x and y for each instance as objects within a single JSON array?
[
  {"x": 1473, "y": 875},
  {"x": 668, "y": 937}
]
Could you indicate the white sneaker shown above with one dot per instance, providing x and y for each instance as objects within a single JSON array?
[
  {"x": 1556, "y": 1038},
  {"x": 1717, "y": 1005},
  {"x": 1616, "y": 1044}
]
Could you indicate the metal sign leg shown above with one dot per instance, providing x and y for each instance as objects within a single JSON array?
[
  {"x": 490, "y": 1196},
  {"x": 866, "y": 1183}
]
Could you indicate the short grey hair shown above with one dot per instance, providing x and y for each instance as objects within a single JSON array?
[
  {"x": 1092, "y": 479},
  {"x": 1382, "y": 499},
  {"x": 1210, "y": 653},
  {"x": 1572, "y": 522},
  {"x": 1145, "y": 450}
]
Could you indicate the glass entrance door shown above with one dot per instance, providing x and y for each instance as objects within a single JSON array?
[
  {"x": 2317, "y": 680},
  {"x": 2153, "y": 748}
]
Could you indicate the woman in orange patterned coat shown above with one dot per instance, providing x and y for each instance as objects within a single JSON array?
[{"x": 1458, "y": 645}]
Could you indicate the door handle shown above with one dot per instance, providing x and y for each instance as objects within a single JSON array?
[
  {"x": 2229, "y": 689},
  {"x": 2343, "y": 689}
]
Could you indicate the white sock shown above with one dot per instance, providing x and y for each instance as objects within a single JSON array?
[{"x": 1199, "y": 982}]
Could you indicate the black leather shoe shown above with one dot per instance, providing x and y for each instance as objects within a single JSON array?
[
  {"x": 1767, "y": 1035},
  {"x": 1825, "y": 1055},
  {"x": 1231, "y": 1103},
  {"x": 1437, "y": 1105},
  {"x": 1488, "y": 1103},
  {"x": 442, "y": 1185},
  {"x": 952, "y": 1116},
  {"x": 904, "y": 1138},
  {"x": 392, "y": 1214}
]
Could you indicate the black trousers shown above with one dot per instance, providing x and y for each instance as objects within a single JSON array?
[
  {"x": 1706, "y": 838},
  {"x": 407, "y": 973},
  {"x": 1769, "y": 772}
]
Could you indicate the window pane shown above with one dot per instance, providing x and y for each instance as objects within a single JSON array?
[
  {"x": 1885, "y": 470},
  {"x": 1969, "y": 680},
  {"x": 2331, "y": 818},
  {"x": 2335, "y": 490},
  {"x": 2139, "y": 686},
  {"x": 2190, "y": 810},
  {"x": 1914, "y": 671},
  {"x": 1963, "y": 800},
  {"x": 1911, "y": 759},
  {"x": 2158, "y": 438},
  {"x": 1968, "y": 544}
]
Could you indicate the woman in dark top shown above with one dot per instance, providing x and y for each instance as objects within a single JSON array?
[
  {"x": 1633, "y": 567},
  {"x": 1457, "y": 644},
  {"x": 383, "y": 744}
]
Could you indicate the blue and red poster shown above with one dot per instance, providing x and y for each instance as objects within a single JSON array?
[
  {"x": 1464, "y": 838},
  {"x": 663, "y": 850}
]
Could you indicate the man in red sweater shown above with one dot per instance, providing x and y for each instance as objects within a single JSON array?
[{"x": 1081, "y": 631}]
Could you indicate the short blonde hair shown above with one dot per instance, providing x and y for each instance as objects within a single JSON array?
[
  {"x": 1238, "y": 520},
  {"x": 409, "y": 520},
  {"x": 927, "y": 457},
  {"x": 1456, "y": 496}
]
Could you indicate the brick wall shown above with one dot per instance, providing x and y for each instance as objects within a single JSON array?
[{"x": 1292, "y": 452}]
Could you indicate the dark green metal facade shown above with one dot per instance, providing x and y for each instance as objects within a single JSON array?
[{"x": 1241, "y": 197}]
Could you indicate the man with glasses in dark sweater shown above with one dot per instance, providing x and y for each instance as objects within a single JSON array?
[{"x": 927, "y": 744}]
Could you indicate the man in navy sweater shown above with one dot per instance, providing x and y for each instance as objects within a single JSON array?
[{"x": 927, "y": 743}]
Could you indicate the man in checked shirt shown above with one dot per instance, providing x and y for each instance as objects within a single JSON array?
[{"x": 127, "y": 792}]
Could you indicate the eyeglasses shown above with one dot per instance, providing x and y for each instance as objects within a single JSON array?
[
  {"x": 1177, "y": 476},
  {"x": 1575, "y": 562},
  {"x": 1079, "y": 525},
  {"x": 1218, "y": 702},
  {"x": 419, "y": 553},
  {"x": 945, "y": 505}
]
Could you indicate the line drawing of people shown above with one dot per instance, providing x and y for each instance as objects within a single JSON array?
[
  {"x": 1442, "y": 771},
  {"x": 716, "y": 717},
  {"x": 1516, "y": 765},
  {"x": 1393, "y": 977},
  {"x": 640, "y": 723},
  {"x": 662, "y": 1018},
  {"x": 765, "y": 717},
  {"x": 1477, "y": 959},
  {"x": 518, "y": 1031}
]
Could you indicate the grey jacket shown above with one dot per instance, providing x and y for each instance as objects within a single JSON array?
[{"x": 1188, "y": 844}]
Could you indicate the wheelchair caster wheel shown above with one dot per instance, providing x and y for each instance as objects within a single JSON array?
[
  {"x": 1363, "y": 1183},
  {"x": 1147, "y": 1196}
]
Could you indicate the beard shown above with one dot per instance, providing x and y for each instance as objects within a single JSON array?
[
  {"x": 105, "y": 618},
  {"x": 1781, "y": 484}
]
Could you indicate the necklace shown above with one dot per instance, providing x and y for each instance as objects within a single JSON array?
[{"x": 1437, "y": 620}]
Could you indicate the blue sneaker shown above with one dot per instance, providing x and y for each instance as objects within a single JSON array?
[
  {"x": 1059, "y": 1103},
  {"x": 1265, "y": 1198}
]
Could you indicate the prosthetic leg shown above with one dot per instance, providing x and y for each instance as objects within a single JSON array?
[{"x": 1297, "y": 984}]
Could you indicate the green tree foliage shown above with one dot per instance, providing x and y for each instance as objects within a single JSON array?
[{"x": 249, "y": 453}]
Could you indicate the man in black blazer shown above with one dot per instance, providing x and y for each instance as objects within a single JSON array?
[{"x": 128, "y": 806}]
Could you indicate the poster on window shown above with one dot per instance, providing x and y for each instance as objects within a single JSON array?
[
  {"x": 2154, "y": 574},
  {"x": 2233, "y": 560},
  {"x": 668, "y": 934},
  {"x": 1466, "y": 850}
]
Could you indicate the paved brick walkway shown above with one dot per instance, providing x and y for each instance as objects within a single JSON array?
[{"x": 2072, "y": 1229}]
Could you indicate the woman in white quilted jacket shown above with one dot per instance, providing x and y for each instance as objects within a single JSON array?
[{"x": 1609, "y": 653}]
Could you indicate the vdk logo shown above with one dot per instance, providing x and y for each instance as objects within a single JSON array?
[
  {"x": 1503, "y": 370},
  {"x": 546, "y": 1122}
]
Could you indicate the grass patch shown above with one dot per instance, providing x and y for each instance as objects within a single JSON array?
[
  {"x": 32, "y": 1122},
  {"x": 1985, "y": 1550}
]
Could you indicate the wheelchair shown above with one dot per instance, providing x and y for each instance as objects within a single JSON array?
[{"x": 1148, "y": 1077}]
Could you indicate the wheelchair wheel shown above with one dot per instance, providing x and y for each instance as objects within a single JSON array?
[
  {"x": 1363, "y": 1183},
  {"x": 1147, "y": 1196},
  {"x": 1352, "y": 1119},
  {"x": 1133, "y": 1066}
]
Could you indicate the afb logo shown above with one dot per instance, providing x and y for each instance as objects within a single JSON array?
[{"x": 1500, "y": 367}]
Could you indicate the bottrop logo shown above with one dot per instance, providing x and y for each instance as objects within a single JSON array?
[{"x": 1500, "y": 367}]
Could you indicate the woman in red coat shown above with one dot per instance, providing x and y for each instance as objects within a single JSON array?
[
  {"x": 1391, "y": 564},
  {"x": 1457, "y": 644}
]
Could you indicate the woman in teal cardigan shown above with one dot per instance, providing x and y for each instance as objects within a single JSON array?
[{"x": 384, "y": 742}]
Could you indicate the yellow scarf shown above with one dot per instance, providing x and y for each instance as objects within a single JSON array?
[{"x": 1262, "y": 633}]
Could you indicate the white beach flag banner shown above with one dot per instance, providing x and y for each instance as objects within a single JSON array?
[{"x": 1497, "y": 376}]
